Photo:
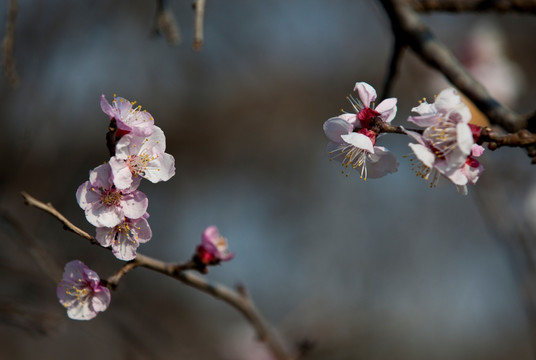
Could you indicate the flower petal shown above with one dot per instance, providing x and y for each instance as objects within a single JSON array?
[
  {"x": 381, "y": 163},
  {"x": 387, "y": 109},
  {"x": 335, "y": 127},
  {"x": 360, "y": 141},
  {"x": 367, "y": 93}
]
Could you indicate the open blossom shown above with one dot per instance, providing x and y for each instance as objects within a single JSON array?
[
  {"x": 447, "y": 131},
  {"x": 365, "y": 108},
  {"x": 104, "y": 204},
  {"x": 430, "y": 165},
  {"x": 213, "y": 248},
  {"x": 81, "y": 292},
  {"x": 125, "y": 237},
  {"x": 141, "y": 156},
  {"x": 129, "y": 120},
  {"x": 357, "y": 149}
]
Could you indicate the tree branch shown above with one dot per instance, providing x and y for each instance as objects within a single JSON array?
[
  {"x": 521, "y": 6},
  {"x": 199, "y": 7},
  {"x": 398, "y": 50},
  {"x": 236, "y": 298},
  {"x": 166, "y": 23},
  {"x": 410, "y": 30},
  {"x": 9, "y": 44}
]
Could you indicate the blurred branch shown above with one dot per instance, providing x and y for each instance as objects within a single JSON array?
[
  {"x": 392, "y": 72},
  {"x": 42, "y": 323},
  {"x": 522, "y": 6},
  {"x": 39, "y": 254},
  {"x": 199, "y": 7},
  {"x": 236, "y": 298},
  {"x": 410, "y": 30},
  {"x": 9, "y": 44},
  {"x": 165, "y": 23}
]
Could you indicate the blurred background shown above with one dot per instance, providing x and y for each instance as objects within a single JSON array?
[{"x": 383, "y": 269}]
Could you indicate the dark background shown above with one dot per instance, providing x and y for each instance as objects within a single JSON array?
[{"x": 383, "y": 269}]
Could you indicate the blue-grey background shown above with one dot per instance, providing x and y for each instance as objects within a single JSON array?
[{"x": 383, "y": 269}]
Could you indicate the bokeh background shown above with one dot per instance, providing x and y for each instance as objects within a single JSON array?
[{"x": 383, "y": 269}]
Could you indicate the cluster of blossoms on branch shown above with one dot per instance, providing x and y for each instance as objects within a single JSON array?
[
  {"x": 114, "y": 205},
  {"x": 445, "y": 147}
]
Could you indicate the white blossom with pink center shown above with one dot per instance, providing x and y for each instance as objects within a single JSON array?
[
  {"x": 357, "y": 149},
  {"x": 430, "y": 166},
  {"x": 104, "y": 204},
  {"x": 213, "y": 248},
  {"x": 129, "y": 120},
  {"x": 81, "y": 292},
  {"x": 142, "y": 157},
  {"x": 365, "y": 108},
  {"x": 126, "y": 237},
  {"x": 447, "y": 131}
]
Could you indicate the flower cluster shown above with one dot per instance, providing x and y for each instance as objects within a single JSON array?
[
  {"x": 110, "y": 198},
  {"x": 445, "y": 146},
  {"x": 114, "y": 205}
]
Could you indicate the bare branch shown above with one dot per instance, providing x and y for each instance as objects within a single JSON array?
[
  {"x": 236, "y": 299},
  {"x": 520, "y": 6},
  {"x": 9, "y": 44},
  {"x": 396, "y": 57},
  {"x": 166, "y": 23},
  {"x": 199, "y": 6},
  {"x": 410, "y": 30}
]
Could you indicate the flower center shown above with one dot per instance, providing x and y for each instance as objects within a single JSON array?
[
  {"x": 442, "y": 137},
  {"x": 138, "y": 163},
  {"x": 79, "y": 291},
  {"x": 365, "y": 115},
  {"x": 111, "y": 197}
]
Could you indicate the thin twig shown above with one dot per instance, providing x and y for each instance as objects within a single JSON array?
[
  {"x": 9, "y": 44},
  {"x": 392, "y": 72},
  {"x": 236, "y": 299},
  {"x": 519, "y": 6},
  {"x": 199, "y": 6}
]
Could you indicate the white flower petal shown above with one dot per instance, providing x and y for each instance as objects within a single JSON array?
[
  {"x": 359, "y": 141},
  {"x": 367, "y": 93},
  {"x": 335, "y": 127}
]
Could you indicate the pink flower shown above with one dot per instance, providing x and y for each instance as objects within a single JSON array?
[
  {"x": 81, "y": 292},
  {"x": 365, "y": 108},
  {"x": 358, "y": 150},
  {"x": 136, "y": 121},
  {"x": 430, "y": 166},
  {"x": 213, "y": 248},
  {"x": 104, "y": 204},
  {"x": 142, "y": 156},
  {"x": 447, "y": 132},
  {"x": 125, "y": 237}
]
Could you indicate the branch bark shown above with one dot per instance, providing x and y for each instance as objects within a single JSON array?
[
  {"x": 236, "y": 298},
  {"x": 409, "y": 29}
]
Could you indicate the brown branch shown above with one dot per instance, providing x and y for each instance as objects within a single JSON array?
[
  {"x": 165, "y": 23},
  {"x": 410, "y": 30},
  {"x": 392, "y": 72},
  {"x": 236, "y": 299},
  {"x": 199, "y": 7},
  {"x": 521, "y": 6},
  {"x": 67, "y": 225},
  {"x": 9, "y": 44}
]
